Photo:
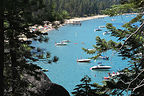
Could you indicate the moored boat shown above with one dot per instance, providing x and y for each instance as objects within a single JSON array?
[
  {"x": 106, "y": 33},
  {"x": 91, "y": 49},
  {"x": 104, "y": 57},
  {"x": 113, "y": 19},
  {"x": 107, "y": 77},
  {"x": 44, "y": 70},
  {"x": 83, "y": 60},
  {"x": 101, "y": 26},
  {"x": 65, "y": 41},
  {"x": 60, "y": 44},
  {"x": 97, "y": 30},
  {"x": 112, "y": 75},
  {"x": 100, "y": 67}
]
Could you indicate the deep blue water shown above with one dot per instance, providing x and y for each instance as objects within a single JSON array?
[{"x": 67, "y": 72}]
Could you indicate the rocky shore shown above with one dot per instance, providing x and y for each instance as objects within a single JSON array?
[
  {"x": 48, "y": 26},
  {"x": 44, "y": 87}
]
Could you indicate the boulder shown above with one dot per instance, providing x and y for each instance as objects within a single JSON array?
[{"x": 43, "y": 86}]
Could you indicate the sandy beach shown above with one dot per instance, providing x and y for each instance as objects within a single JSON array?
[
  {"x": 84, "y": 18},
  {"x": 50, "y": 27}
]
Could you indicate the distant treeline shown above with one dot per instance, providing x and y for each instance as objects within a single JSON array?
[
  {"x": 82, "y": 7},
  {"x": 61, "y": 9}
]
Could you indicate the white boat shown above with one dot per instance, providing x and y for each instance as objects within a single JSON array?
[
  {"x": 138, "y": 54},
  {"x": 91, "y": 49},
  {"x": 113, "y": 19},
  {"x": 101, "y": 26},
  {"x": 97, "y": 30},
  {"x": 65, "y": 41},
  {"x": 100, "y": 67},
  {"x": 45, "y": 70},
  {"x": 112, "y": 75},
  {"x": 83, "y": 60},
  {"x": 106, "y": 33},
  {"x": 103, "y": 57},
  {"x": 60, "y": 44}
]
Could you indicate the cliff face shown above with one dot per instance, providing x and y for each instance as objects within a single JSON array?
[{"x": 42, "y": 86}]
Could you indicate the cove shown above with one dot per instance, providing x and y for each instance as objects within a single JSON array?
[{"x": 67, "y": 71}]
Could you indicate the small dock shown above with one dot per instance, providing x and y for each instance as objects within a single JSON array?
[{"x": 76, "y": 23}]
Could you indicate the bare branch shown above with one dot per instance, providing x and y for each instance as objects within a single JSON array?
[
  {"x": 139, "y": 29},
  {"x": 134, "y": 80},
  {"x": 138, "y": 87}
]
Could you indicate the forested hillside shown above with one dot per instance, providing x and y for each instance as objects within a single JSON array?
[{"x": 82, "y": 7}]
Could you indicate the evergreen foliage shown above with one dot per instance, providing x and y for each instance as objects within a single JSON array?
[
  {"x": 130, "y": 46},
  {"x": 19, "y": 56},
  {"x": 81, "y": 8},
  {"x": 87, "y": 89}
]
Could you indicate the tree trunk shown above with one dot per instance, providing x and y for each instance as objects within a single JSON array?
[
  {"x": 13, "y": 64},
  {"x": 1, "y": 49}
]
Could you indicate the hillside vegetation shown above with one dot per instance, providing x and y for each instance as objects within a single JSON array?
[{"x": 82, "y": 7}]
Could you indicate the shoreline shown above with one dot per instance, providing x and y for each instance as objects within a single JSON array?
[
  {"x": 49, "y": 27},
  {"x": 69, "y": 21},
  {"x": 76, "y": 20}
]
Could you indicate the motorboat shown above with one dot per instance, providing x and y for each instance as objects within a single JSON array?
[
  {"x": 65, "y": 41},
  {"x": 91, "y": 49},
  {"x": 113, "y": 19},
  {"x": 101, "y": 26},
  {"x": 106, "y": 33},
  {"x": 83, "y": 60},
  {"x": 112, "y": 75},
  {"x": 97, "y": 30},
  {"x": 60, "y": 44},
  {"x": 138, "y": 54},
  {"x": 44, "y": 70},
  {"x": 100, "y": 66},
  {"x": 104, "y": 57},
  {"x": 107, "y": 77}
]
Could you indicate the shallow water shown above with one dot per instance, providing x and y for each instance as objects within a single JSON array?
[{"x": 67, "y": 71}]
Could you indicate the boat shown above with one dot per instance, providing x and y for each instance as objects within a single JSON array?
[
  {"x": 76, "y": 23},
  {"x": 97, "y": 30},
  {"x": 100, "y": 66},
  {"x": 65, "y": 41},
  {"x": 107, "y": 77},
  {"x": 138, "y": 54},
  {"x": 104, "y": 57},
  {"x": 112, "y": 75},
  {"x": 91, "y": 49},
  {"x": 83, "y": 60},
  {"x": 113, "y": 19},
  {"x": 106, "y": 33},
  {"x": 101, "y": 26},
  {"x": 44, "y": 70},
  {"x": 60, "y": 44}
]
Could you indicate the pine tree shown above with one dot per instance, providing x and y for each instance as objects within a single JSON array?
[
  {"x": 19, "y": 55},
  {"x": 87, "y": 89},
  {"x": 130, "y": 46},
  {"x": 1, "y": 48}
]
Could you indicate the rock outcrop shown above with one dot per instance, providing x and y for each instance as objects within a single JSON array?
[{"x": 42, "y": 86}]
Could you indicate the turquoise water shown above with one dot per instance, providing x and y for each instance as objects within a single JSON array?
[{"x": 67, "y": 71}]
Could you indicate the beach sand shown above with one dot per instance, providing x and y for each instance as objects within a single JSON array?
[
  {"x": 71, "y": 21},
  {"x": 84, "y": 18}
]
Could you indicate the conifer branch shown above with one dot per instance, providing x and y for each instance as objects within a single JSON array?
[
  {"x": 138, "y": 87},
  {"x": 134, "y": 80},
  {"x": 139, "y": 29}
]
